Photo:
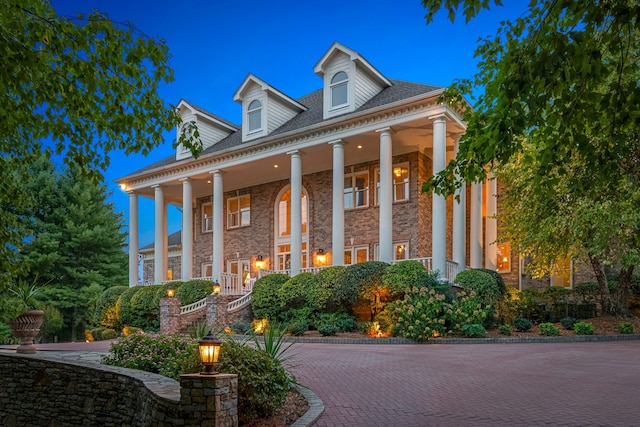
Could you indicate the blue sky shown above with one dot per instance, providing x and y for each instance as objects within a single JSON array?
[{"x": 214, "y": 44}]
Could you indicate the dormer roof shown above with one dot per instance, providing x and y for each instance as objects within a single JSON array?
[
  {"x": 238, "y": 96},
  {"x": 355, "y": 57}
]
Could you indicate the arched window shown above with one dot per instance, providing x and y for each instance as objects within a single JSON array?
[
  {"x": 338, "y": 87},
  {"x": 283, "y": 229},
  {"x": 254, "y": 115}
]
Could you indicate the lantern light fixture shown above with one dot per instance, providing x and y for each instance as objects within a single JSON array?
[
  {"x": 321, "y": 257},
  {"x": 171, "y": 291},
  {"x": 216, "y": 288},
  {"x": 259, "y": 262},
  {"x": 209, "y": 347}
]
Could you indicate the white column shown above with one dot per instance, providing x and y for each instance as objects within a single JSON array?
[
  {"x": 460, "y": 223},
  {"x": 337, "y": 235},
  {"x": 491, "y": 258},
  {"x": 439, "y": 207},
  {"x": 386, "y": 196},
  {"x": 187, "y": 229},
  {"x": 475, "y": 232},
  {"x": 296, "y": 212},
  {"x": 133, "y": 239},
  {"x": 159, "y": 250},
  {"x": 217, "y": 211}
]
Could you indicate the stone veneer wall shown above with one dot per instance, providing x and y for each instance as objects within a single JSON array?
[{"x": 36, "y": 391}]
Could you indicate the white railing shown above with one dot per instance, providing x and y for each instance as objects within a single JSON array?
[
  {"x": 186, "y": 309},
  {"x": 239, "y": 303},
  {"x": 314, "y": 270},
  {"x": 452, "y": 270},
  {"x": 426, "y": 262}
]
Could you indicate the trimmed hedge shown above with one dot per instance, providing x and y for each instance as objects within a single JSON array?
[
  {"x": 482, "y": 283},
  {"x": 265, "y": 302},
  {"x": 106, "y": 313},
  {"x": 398, "y": 278},
  {"x": 193, "y": 290},
  {"x": 145, "y": 307}
]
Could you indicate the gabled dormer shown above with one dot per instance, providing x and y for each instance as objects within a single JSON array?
[
  {"x": 349, "y": 80},
  {"x": 264, "y": 108},
  {"x": 210, "y": 127}
]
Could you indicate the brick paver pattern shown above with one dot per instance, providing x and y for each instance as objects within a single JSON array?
[{"x": 560, "y": 384}]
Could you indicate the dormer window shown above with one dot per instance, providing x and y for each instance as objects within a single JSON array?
[
  {"x": 254, "y": 116},
  {"x": 338, "y": 89}
]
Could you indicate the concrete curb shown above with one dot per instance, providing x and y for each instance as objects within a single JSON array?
[{"x": 316, "y": 408}]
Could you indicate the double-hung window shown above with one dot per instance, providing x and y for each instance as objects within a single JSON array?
[
  {"x": 207, "y": 218},
  {"x": 339, "y": 89},
  {"x": 239, "y": 211},
  {"x": 356, "y": 190},
  {"x": 400, "y": 178},
  {"x": 254, "y": 116}
]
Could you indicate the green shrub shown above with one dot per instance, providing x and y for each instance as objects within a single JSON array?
[
  {"x": 588, "y": 292},
  {"x": 109, "y": 334},
  {"x": 128, "y": 330},
  {"x": 106, "y": 313},
  {"x": 160, "y": 354},
  {"x": 584, "y": 328},
  {"x": 523, "y": 325},
  {"x": 482, "y": 283},
  {"x": 145, "y": 307},
  {"x": 96, "y": 333},
  {"x": 264, "y": 296},
  {"x": 556, "y": 298},
  {"x": 52, "y": 321},
  {"x": 240, "y": 328},
  {"x": 123, "y": 306},
  {"x": 467, "y": 308},
  {"x": 328, "y": 329},
  {"x": 502, "y": 287},
  {"x": 420, "y": 314},
  {"x": 300, "y": 291},
  {"x": 192, "y": 290},
  {"x": 549, "y": 329},
  {"x": 474, "y": 330},
  {"x": 343, "y": 321},
  {"x": 363, "y": 283},
  {"x": 528, "y": 305},
  {"x": 298, "y": 327},
  {"x": 625, "y": 328},
  {"x": 404, "y": 275},
  {"x": 505, "y": 330},
  {"x": 262, "y": 381},
  {"x": 568, "y": 322},
  {"x": 330, "y": 298}
]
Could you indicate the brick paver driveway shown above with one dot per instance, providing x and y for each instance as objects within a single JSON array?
[{"x": 559, "y": 384}]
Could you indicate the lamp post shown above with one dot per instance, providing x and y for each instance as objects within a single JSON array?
[
  {"x": 171, "y": 291},
  {"x": 259, "y": 262},
  {"x": 216, "y": 288},
  {"x": 209, "y": 353}
]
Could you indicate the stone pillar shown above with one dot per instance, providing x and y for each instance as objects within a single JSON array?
[
  {"x": 170, "y": 315},
  {"x": 296, "y": 212},
  {"x": 475, "y": 232},
  {"x": 217, "y": 210},
  {"x": 212, "y": 309},
  {"x": 210, "y": 399},
  {"x": 133, "y": 239},
  {"x": 460, "y": 224},
  {"x": 385, "y": 199},
  {"x": 337, "y": 236},
  {"x": 439, "y": 208},
  {"x": 491, "y": 254},
  {"x": 187, "y": 230},
  {"x": 159, "y": 260}
]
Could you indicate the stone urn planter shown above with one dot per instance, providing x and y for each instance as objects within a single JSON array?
[{"x": 25, "y": 327}]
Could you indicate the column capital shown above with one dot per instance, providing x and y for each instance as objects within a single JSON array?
[
  {"x": 216, "y": 172},
  {"x": 337, "y": 142},
  {"x": 154, "y": 186},
  {"x": 294, "y": 152},
  {"x": 131, "y": 193},
  {"x": 439, "y": 117},
  {"x": 187, "y": 179},
  {"x": 387, "y": 129}
]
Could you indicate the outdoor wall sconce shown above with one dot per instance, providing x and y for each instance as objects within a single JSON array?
[
  {"x": 259, "y": 262},
  {"x": 216, "y": 288},
  {"x": 171, "y": 291},
  {"x": 209, "y": 353},
  {"x": 321, "y": 257}
]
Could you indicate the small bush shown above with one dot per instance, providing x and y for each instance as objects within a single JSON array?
[
  {"x": 343, "y": 321},
  {"x": 262, "y": 381},
  {"x": 549, "y": 330},
  {"x": 369, "y": 328},
  {"x": 505, "y": 330},
  {"x": 568, "y": 322},
  {"x": 584, "y": 328},
  {"x": 106, "y": 313},
  {"x": 109, "y": 334},
  {"x": 298, "y": 327},
  {"x": 328, "y": 329},
  {"x": 96, "y": 333},
  {"x": 264, "y": 296},
  {"x": 192, "y": 290},
  {"x": 404, "y": 275},
  {"x": 128, "y": 330},
  {"x": 240, "y": 328},
  {"x": 474, "y": 330},
  {"x": 482, "y": 283},
  {"x": 300, "y": 291},
  {"x": 522, "y": 325},
  {"x": 625, "y": 328}
]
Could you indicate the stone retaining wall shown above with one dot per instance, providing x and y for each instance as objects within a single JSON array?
[{"x": 37, "y": 391}]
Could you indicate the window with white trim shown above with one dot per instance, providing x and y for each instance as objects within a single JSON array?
[
  {"x": 400, "y": 183},
  {"x": 339, "y": 89},
  {"x": 206, "y": 270},
  {"x": 400, "y": 251},
  {"x": 356, "y": 190},
  {"x": 562, "y": 273},
  {"x": 356, "y": 255},
  {"x": 504, "y": 258},
  {"x": 254, "y": 116},
  {"x": 207, "y": 217},
  {"x": 239, "y": 211}
]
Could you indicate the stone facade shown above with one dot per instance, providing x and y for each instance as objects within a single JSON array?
[
  {"x": 215, "y": 312},
  {"x": 36, "y": 391}
]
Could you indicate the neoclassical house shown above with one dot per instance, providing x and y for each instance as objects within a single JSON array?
[{"x": 331, "y": 178}]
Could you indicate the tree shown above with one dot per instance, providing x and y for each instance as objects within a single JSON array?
[
  {"x": 561, "y": 101},
  {"x": 86, "y": 86},
  {"x": 76, "y": 243}
]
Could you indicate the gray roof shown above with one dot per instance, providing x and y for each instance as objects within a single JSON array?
[
  {"x": 174, "y": 239},
  {"x": 313, "y": 115}
]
